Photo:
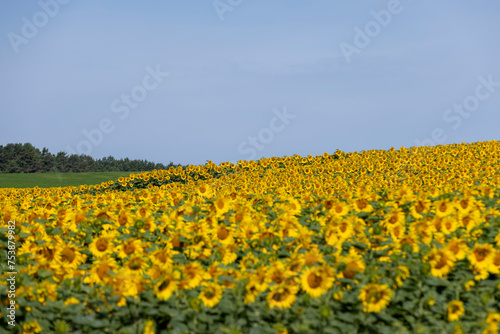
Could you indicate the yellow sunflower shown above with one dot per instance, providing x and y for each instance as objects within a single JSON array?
[
  {"x": 224, "y": 235},
  {"x": 164, "y": 288},
  {"x": 193, "y": 274},
  {"x": 458, "y": 247},
  {"x": 125, "y": 284},
  {"x": 136, "y": 265},
  {"x": 282, "y": 296},
  {"x": 101, "y": 271},
  {"x": 70, "y": 257},
  {"x": 362, "y": 205},
  {"x": 375, "y": 297},
  {"x": 222, "y": 205},
  {"x": 354, "y": 263},
  {"x": 278, "y": 273},
  {"x": 339, "y": 209},
  {"x": 163, "y": 257},
  {"x": 443, "y": 208},
  {"x": 441, "y": 261},
  {"x": 102, "y": 245},
  {"x": 493, "y": 321},
  {"x": 455, "y": 310},
  {"x": 403, "y": 273},
  {"x": 394, "y": 218},
  {"x": 32, "y": 327},
  {"x": 317, "y": 280},
  {"x": 495, "y": 265},
  {"x": 129, "y": 247},
  {"x": 252, "y": 289},
  {"x": 481, "y": 256},
  {"x": 204, "y": 190},
  {"x": 464, "y": 205},
  {"x": 449, "y": 225},
  {"x": 211, "y": 294},
  {"x": 149, "y": 327}
]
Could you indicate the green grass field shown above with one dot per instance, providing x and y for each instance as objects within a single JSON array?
[{"x": 47, "y": 180}]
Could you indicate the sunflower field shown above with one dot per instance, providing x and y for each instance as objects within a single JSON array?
[{"x": 395, "y": 241}]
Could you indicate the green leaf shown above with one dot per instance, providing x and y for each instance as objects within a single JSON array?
[{"x": 43, "y": 273}]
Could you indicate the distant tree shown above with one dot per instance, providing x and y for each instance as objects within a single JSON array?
[
  {"x": 25, "y": 158},
  {"x": 61, "y": 162},
  {"x": 12, "y": 167},
  {"x": 47, "y": 160}
]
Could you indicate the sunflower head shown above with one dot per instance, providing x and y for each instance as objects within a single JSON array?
[
  {"x": 455, "y": 310},
  {"x": 375, "y": 297}
]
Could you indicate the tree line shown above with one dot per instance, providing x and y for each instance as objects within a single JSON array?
[{"x": 25, "y": 158}]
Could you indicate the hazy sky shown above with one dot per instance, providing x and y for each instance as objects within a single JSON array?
[{"x": 228, "y": 80}]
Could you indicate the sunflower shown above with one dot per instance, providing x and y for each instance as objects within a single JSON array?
[
  {"x": 32, "y": 327},
  {"x": 481, "y": 256},
  {"x": 293, "y": 207},
  {"x": 449, "y": 225},
  {"x": 469, "y": 284},
  {"x": 204, "y": 190},
  {"x": 278, "y": 273},
  {"x": 375, "y": 297},
  {"x": 419, "y": 208},
  {"x": 149, "y": 327},
  {"x": 193, "y": 274},
  {"x": 76, "y": 217},
  {"x": 458, "y": 247},
  {"x": 455, "y": 310},
  {"x": 362, "y": 205},
  {"x": 222, "y": 205},
  {"x": 316, "y": 281},
  {"x": 164, "y": 288},
  {"x": 443, "y": 208},
  {"x": 345, "y": 229},
  {"x": 402, "y": 274},
  {"x": 163, "y": 257},
  {"x": 71, "y": 301},
  {"x": 252, "y": 289},
  {"x": 48, "y": 252},
  {"x": 102, "y": 245},
  {"x": 136, "y": 265},
  {"x": 101, "y": 271},
  {"x": 493, "y": 321},
  {"x": 354, "y": 264},
  {"x": 224, "y": 235},
  {"x": 464, "y": 205},
  {"x": 313, "y": 256},
  {"x": 228, "y": 254},
  {"x": 125, "y": 284},
  {"x": 470, "y": 220},
  {"x": 495, "y": 265},
  {"x": 441, "y": 261},
  {"x": 339, "y": 209},
  {"x": 211, "y": 294},
  {"x": 70, "y": 257},
  {"x": 125, "y": 219},
  {"x": 394, "y": 218},
  {"x": 248, "y": 262},
  {"x": 129, "y": 247},
  {"x": 282, "y": 296}
]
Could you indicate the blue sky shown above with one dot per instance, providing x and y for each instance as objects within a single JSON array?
[{"x": 247, "y": 79}]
